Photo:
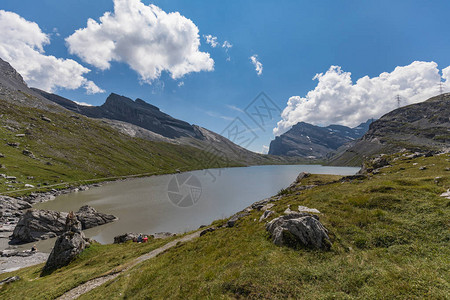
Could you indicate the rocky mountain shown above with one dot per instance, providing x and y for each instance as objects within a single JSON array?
[
  {"x": 307, "y": 140},
  {"x": 51, "y": 139},
  {"x": 421, "y": 127},
  {"x": 14, "y": 89},
  {"x": 138, "y": 112},
  {"x": 142, "y": 120}
]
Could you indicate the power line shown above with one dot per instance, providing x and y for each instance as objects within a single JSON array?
[
  {"x": 441, "y": 90},
  {"x": 399, "y": 100}
]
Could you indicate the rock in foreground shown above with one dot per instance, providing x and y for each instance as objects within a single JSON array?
[
  {"x": 38, "y": 224},
  {"x": 68, "y": 245},
  {"x": 123, "y": 238},
  {"x": 43, "y": 224},
  {"x": 299, "y": 229}
]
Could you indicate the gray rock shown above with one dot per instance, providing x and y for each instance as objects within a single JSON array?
[
  {"x": 9, "y": 253},
  {"x": 71, "y": 243},
  {"x": 446, "y": 194},
  {"x": 163, "y": 235},
  {"x": 39, "y": 224},
  {"x": 89, "y": 217},
  {"x": 125, "y": 237},
  {"x": 260, "y": 204},
  {"x": 308, "y": 210},
  {"x": 265, "y": 215},
  {"x": 232, "y": 221},
  {"x": 9, "y": 280},
  {"x": 44, "y": 118},
  {"x": 210, "y": 229},
  {"x": 12, "y": 204},
  {"x": 299, "y": 229},
  {"x": 379, "y": 162},
  {"x": 2, "y": 155},
  {"x": 44, "y": 224},
  {"x": 28, "y": 153}
]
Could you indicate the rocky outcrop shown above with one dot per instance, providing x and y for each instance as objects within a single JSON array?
[
  {"x": 299, "y": 230},
  {"x": 43, "y": 224},
  {"x": 14, "y": 89},
  {"x": 90, "y": 217},
  {"x": 9, "y": 280},
  {"x": 136, "y": 112},
  {"x": 307, "y": 140},
  {"x": 130, "y": 236},
  {"x": 123, "y": 238},
  {"x": 420, "y": 127},
  {"x": 71, "y": 243},
  {"x": 232, "y": 221},
  {"x": 11, "y": 210},
  {"x": 38, "y": 224}
]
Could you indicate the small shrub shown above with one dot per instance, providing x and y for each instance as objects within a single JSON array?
[{"x": 283, "y": 192}]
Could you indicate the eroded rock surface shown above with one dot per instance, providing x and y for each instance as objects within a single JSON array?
[
  {"x": 299, "y": 229},
  {"x": 71, "y": 243}
]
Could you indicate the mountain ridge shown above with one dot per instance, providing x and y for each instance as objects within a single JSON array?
[
  {"x": 423, "y": 126},
  {"x": 307, "y": 140}
]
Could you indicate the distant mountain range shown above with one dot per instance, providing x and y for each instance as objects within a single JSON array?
[
  {"x": 423, "y": 126},
  {"x": 310, "y": 141},
  {"x": 134, "y": 118},
  {"x": 138, "y": 112}
]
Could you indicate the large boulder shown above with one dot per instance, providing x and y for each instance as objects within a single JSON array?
[
  {"x": 299, "y": 229},
  {"x": 125, "y": 237},
  {"x": 11, "y": 208},
  {"x": 43, "y": 224},
  {"x": 71, "y": 243},
  {"x": 89, "y": 217},
  {"x": 12, "y": 204},
  {"x": 39, "y": 224}
]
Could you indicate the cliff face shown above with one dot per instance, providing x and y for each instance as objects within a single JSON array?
[
  {"x": 422, "y": 126},
  {"x": 137, "y": 112},
  {"x": 14, "y": 89},
  {"x": 308, "y": 140}
]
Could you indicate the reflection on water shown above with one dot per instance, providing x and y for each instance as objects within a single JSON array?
[{"x": 157, "y": 204}]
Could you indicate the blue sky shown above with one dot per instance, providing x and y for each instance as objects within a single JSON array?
[{"x": 293, "y": 40}]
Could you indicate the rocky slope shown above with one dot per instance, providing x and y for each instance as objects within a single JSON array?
[
  {"x": 307, "y": 140},
  {"x": 420, "y": 127},
  {"x": 138, "y": 112},
  {"x": 140, "y": 119},
  {"x": 14, "y": 89}
]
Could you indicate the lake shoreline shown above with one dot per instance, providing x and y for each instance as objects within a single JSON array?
[{"x": 41, "y": 197}]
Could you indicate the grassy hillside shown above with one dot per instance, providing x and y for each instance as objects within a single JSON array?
[
  {"x": 390, "y": 235},
  {"x": 68, "y": 148}
]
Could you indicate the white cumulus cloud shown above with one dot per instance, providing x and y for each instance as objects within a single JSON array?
[
  {"x": 265, "y": 149},
  {"x": 257, "y": 64},
  {"x": 211, "y": 40},
  {"x": 22, "y": 45},
  {"x": 337, "y": 100},
  {"x": 145, "y": 37}
]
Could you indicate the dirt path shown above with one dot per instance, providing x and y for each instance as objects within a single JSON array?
[{"x": 93, "y": 283}]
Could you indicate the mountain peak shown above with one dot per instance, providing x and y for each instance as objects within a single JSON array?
[
  {"x": 308, "y": 140},
  {"x": 9, "y": 76}
]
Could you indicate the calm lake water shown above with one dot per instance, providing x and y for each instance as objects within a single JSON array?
[{"x": 182, "y": 202}]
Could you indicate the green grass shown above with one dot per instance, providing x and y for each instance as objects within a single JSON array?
[
  {"x": 73, "y": 150},
  {"x": 95, "y": 261},
  {"x": 390, "y": 235}
]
